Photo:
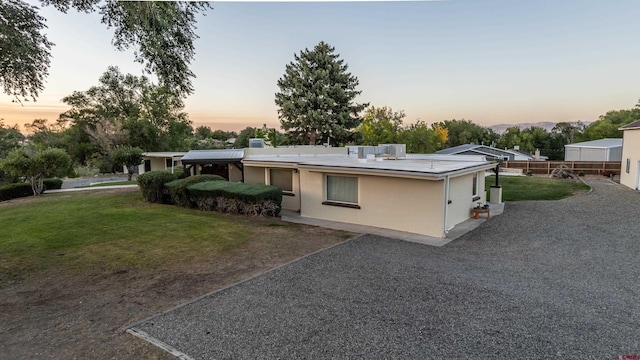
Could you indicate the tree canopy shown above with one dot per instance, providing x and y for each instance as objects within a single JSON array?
[
  {"x": 608, "y": 124},
  {"x": 161, "y": 32},
  {"x": 316, "y": 100},
  {"x": 126, "y": 109},
  {"x": 25, "y": 55},
  {"x": 381, "y": 126},
  {"x": 463, "y": 131},
  {"x": 36, "y": 165},
  {"x": 128, "y": 156}
]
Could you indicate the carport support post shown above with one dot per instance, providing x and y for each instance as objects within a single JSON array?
[{"x": 495, "y": 193}]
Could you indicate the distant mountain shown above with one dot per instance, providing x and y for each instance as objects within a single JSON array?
[{"x": 547, "y": 125}]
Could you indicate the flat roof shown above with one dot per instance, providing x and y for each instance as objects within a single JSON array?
[
  {"x": 164, "y": 154},
  {"x": 427, "y": 164},
  {"x": 601, "y": 143}
]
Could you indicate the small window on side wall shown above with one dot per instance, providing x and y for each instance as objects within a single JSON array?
[
  {"x": 628, "y": 167},
  {"x": 474, "y": 184},
  {"x": 342, "y": 189},
  {"x": 282, "y": 178}
]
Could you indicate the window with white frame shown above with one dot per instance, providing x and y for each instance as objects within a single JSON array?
[
  {"x": 342, "y": 189},
  {"x": 282, "y": 178}
]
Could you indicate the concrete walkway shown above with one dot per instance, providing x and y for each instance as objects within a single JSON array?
[
  {"x": 107, "y": 187},
  {"x": 456, "y": 232}
]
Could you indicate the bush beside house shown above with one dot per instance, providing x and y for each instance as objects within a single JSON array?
[
  {"x": 177, "y": 189},
  {"x": 208, "y": 192},
  {"x": 237, "y": 198},
  {"x": 152, "y": 184}
]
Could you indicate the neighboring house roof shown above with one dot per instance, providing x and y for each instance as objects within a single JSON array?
[
  {"x": 601, "y": 144},
  {"x": 164, "y": 154},
  {"x": 482, "y": 150},
  {"x": 632, "y": 126},
  {"x": 421, "y": 165},
  {"x": 213, "y": 156}
]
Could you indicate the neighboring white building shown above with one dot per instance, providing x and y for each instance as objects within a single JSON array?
[
  {"x": 595, "y": 150},
  {"x": 153, "y": 161},
  {"x": 422, "y": 194},
  {"x": 630, "y": 172}
]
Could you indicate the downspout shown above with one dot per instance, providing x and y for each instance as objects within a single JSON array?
[{"x": 446, "y": 203}]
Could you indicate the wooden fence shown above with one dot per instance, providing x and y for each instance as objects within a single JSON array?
[{"x": 546, "y": 167}]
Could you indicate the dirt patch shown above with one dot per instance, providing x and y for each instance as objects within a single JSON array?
[{"x": 65, "y": 316}]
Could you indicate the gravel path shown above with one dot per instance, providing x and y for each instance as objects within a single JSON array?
[{"x": 548, "y": 279}]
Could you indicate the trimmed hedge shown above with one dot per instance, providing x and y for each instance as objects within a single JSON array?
[
  {"x": 13, "y": 191},
  {"x": 152, "y": 185},
  {"x": 52, "y": 184},
  {"x": 237, "y": 198},
  {"x": 178, "y": 192}
]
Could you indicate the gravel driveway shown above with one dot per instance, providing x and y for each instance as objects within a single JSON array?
[{"x": 548, "y": 279}]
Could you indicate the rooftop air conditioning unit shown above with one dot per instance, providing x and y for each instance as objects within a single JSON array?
[
  {"x": 395, "y": 151},
  {"x": 363, "y": 151},
  {"x": 256, "y": 143}
]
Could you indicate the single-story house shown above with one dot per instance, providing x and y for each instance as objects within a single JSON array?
[
  {"x": 423, "y": 194},
  {"x": 153, "y": 161},
  {"x": 630, "y": 172},
  {"x": 226, "y": 163},
  {"x": 489, "y": 152},
  {"x": 595, "y": 150}
]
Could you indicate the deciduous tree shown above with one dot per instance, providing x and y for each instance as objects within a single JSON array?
[
  {"x": 129, "y": 110},
  {"x": 36, "y": 165},
  {"x": 381, "y": 126},
  {"x": 25, "y": 55},
  {"x": 127, "y": 156},
  {"x": 161, "y": 32},
  {"x": 463, "y": 131}
]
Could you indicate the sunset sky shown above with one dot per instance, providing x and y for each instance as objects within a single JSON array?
[{"x": 488, "y": 61}]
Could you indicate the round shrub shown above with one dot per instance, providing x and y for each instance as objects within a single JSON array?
[
  {"x": 52, "y": 184},
  {"x": 152, "y": 185}
]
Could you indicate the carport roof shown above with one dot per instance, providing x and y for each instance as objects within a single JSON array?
[{"x": 213, "y": 156}]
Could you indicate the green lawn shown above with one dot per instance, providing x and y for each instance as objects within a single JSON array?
[
  {"x": 517, "y": 188},
  {"x": 108, "y": 232}
]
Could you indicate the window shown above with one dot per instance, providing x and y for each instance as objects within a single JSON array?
[
  {"x": 170, "y": 163},
  {"x": 282, "y": 178},
  {"x": 342, "y": 190},
  {"x": 475, "y": 185},
  {"x": 628, "y": 166}
]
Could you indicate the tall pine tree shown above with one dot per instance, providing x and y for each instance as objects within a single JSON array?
[{"x": 316, "y": 98}]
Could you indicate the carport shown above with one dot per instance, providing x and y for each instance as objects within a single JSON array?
[{"x": 226, "y": 163}]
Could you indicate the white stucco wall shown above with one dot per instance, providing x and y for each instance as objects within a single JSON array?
[
  {"x": 411, "y": 205},
  {"x": 631, "y": 151}
]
